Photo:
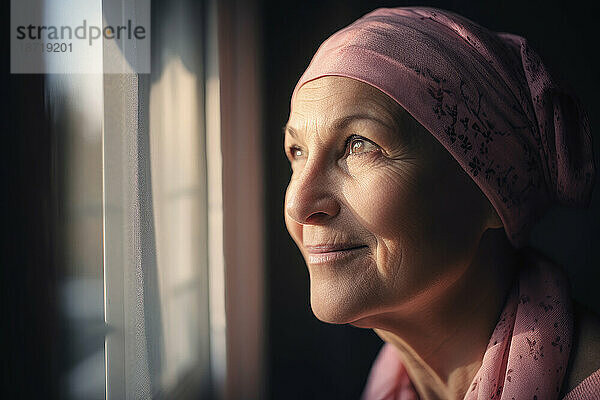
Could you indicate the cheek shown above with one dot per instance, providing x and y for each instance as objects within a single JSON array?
[
  {"x": 413, "y": 218},
  {"x": 386, "y": 203}
]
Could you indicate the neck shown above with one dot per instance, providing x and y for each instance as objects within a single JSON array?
[{"x": 443, "y": 338}]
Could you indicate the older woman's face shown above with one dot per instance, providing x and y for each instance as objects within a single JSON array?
[{"x": 384, "y": 217}]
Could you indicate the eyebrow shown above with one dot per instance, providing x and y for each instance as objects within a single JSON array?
[
  {"x": 289, "y": 130},
  {"x": 341, "y": 123}
]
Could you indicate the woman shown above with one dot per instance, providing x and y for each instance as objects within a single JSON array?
[{"x": 423, "y": 149}]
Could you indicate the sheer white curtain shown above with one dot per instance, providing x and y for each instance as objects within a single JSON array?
[
  {"x": 156, "y": 261},
  {"x": 129, "y": 243}
]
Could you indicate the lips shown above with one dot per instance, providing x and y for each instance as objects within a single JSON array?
[{"x": 319, "y": 254}]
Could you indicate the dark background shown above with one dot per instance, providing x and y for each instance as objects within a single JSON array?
[{"x": 312, "y": 360}]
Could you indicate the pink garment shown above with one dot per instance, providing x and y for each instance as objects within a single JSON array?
[
  {"x": 485, "y": 96},
  {"x": 528, "y": 352}
]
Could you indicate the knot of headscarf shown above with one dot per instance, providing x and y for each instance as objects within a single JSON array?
[{"x": 485, "y": 96}]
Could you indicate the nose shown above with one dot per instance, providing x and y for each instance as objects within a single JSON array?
[{"x": 310, "y": 197}]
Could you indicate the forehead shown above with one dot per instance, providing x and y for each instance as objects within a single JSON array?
[{"x": 329, "y": 98}]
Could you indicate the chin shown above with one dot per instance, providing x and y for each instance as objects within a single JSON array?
[
  {"x": 330, "y": 315},
  {"x": 343, "y": 294},
  {"x": 333, "y": 307}
]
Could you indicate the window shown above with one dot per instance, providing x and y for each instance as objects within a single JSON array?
[
  {"x": 147, "y": 246},
  {"x": 135, "y": 204}
]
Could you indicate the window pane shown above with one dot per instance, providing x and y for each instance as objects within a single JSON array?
[{"x": 76, "y": 116}]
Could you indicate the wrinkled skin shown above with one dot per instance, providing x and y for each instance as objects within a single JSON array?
[{"x": 392, "y": 188}]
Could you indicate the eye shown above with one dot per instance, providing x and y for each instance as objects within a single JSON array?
[
  {"x": 357, "y": 145},
  {"x": 295, "y": 153}
]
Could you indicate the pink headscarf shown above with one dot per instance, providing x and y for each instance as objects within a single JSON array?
[{"x": 485, "y": 96}]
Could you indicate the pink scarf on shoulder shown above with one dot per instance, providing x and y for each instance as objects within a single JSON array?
[{"x": 528, "y": 352}]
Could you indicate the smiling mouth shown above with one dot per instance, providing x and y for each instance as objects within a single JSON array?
[{"x": 328, "y": 253}]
